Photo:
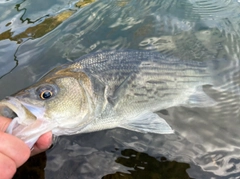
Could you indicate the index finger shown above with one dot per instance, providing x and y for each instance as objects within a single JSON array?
[{"x": 4, "y": 122}]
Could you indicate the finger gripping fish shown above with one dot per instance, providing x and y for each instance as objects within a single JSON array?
[{"x": 106, "y": 90}]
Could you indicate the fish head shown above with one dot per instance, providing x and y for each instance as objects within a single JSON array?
[{"x": 58, "y": 99}]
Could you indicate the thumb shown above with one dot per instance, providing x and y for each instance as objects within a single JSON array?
[{"x": 4, "y": 122}]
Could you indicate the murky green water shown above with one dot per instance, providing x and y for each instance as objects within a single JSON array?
[{"x": 36, "y": 36}]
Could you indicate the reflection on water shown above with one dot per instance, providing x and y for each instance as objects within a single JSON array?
[
  {"x": 83, "y": 3},
  {"x": 39, "y": 30},
  {"x": 41, "y": 26},
  {"x": 144, "y": 166},
  {"x": 140, "y": 165},
  {"x": 39, "y": 36},
  {"x": 32, "y": 29}
]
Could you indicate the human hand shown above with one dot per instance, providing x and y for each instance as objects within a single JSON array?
[{"x": 14, "y": 152}]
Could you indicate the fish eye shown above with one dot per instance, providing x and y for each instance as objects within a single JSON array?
[
  {"x": 46, "y": 94},
  {"x": 46, "y": 91}
]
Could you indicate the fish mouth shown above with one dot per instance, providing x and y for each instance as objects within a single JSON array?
[
  {"x": 26, "y": 123},
  {"x": 7, "y": 112},
  {"x": 13, "y": 108}
]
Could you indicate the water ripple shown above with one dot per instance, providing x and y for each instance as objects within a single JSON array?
[
  {"x": 208, "y": 7},
  {"x": 224, "y": 14},
  {"x": 207, "y": 139}
]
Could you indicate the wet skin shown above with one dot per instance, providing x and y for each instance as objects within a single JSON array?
[{"x": 14, "y": 152}]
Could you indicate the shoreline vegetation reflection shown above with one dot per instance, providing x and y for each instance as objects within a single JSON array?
[{"x": 39, "y": 27}]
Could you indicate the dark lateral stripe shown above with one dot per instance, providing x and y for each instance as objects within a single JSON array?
[{"x": 156, "y": 82}]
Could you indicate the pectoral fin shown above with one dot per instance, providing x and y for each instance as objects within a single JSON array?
[{"x": 148, "y": 122}]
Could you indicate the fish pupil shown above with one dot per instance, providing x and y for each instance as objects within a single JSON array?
[{"x": 46, "y": 95}]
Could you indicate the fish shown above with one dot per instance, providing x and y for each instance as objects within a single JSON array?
[{"x": 109, "y": 89}]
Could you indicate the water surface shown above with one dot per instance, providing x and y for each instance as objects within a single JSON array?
[{"x": 35, "y": 37}]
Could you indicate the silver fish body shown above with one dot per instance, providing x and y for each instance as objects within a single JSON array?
[
  {"x": 128, "y": 83},
  {"x": 110, "y": 89}
]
